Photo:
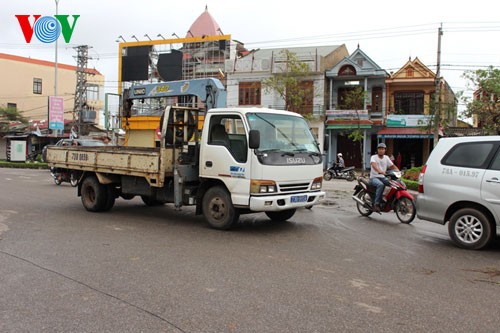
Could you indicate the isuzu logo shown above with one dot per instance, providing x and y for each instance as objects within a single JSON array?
[{"x": 295, "y": 160}]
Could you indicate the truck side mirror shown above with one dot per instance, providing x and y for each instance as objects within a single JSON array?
[
  {"x": 326, "y": 143},
  {"x": 254, "y": 139}
]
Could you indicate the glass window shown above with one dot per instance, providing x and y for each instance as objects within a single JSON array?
[
  {"x": 92, "y": 92},
  {"x": 12, "y": 106},
  {"x": 37, "y": 86},
  {"x": 249, "y": 93},
  {"x": 283, "y": 133},
  {"x": 496, "y": 162},
  {"x": 409, "y": 102},
  {"x": 229, "y": 131},
  {"x": 469, "y": 155}
]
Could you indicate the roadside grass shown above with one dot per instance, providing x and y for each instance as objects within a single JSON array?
[{"x": 23, "y": 165}]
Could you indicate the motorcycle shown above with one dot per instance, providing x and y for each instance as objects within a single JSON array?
[
  {"x": 396, "y": 197},
  {"x": 333, "y": 172},
  {"x": 64, "y": 175}
]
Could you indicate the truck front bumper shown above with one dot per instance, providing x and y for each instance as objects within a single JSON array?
[{"x": 283, "y": 202}]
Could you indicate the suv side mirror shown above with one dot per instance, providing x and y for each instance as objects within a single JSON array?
[{"x": 254, "y": 139}]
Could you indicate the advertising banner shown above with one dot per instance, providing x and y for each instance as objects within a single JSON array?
[{"x": 56, "y": 113}]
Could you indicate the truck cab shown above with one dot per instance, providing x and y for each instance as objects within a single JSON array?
[{"x": 264, "y": 159}]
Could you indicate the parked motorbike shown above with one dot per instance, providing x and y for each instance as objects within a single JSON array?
[
  {"x": 64, "y": 175},
  {"x": 396, "y": 197},
  {"x": 334, "y": 172}
]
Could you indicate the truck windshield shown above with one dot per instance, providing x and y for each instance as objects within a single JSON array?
[{"x": 283, "y": 133}]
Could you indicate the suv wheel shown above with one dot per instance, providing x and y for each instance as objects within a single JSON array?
[{"x": 470, "y": 229}]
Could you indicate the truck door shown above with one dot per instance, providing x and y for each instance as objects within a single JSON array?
[{"x": 225, "y": 155}]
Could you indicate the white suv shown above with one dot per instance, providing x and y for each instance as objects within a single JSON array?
[{"x": 460, "y": 184}]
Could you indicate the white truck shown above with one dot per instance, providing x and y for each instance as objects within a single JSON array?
[{"x": 246, "y": 160}]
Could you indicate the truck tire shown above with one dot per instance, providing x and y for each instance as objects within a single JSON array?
[
  {"x": 94, "y": 194},
  {"x": 218, "y": 208},
  {"x": 110, "y": 197},
  {"x": 281, "y": 216},
  {"x": 470, "y": 229}
]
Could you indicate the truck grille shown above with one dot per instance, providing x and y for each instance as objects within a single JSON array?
[{"x": 297, "y": 187}]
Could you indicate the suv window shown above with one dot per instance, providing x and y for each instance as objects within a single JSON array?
[
  {"x": 496, "y": 162},
  {"x": 469, "y": 155}
]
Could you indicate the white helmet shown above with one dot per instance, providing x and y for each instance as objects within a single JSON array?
[{"x": 339, "y": 154}]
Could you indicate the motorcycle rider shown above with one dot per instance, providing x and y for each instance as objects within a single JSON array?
[
  {"x": 380, "y": 163},
  {"x": 340, "y": 164}
]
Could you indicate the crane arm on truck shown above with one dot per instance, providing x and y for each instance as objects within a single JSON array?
[{"x": 209, "y": 91}]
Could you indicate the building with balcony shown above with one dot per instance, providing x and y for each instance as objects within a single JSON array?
[
  {"x": 246, "y": 73},
  {"x": 355, "y": 70},
  {"x": 409, "y": 126}
]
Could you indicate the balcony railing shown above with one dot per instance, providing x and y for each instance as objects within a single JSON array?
[
  {"x": 316, "y": 110},
  {"x": 353, "y": 115}
]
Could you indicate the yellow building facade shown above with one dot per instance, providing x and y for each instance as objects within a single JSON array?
[{"x": 27, "y": 83}]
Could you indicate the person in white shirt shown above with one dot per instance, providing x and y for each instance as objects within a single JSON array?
[{"x": 380, "y": 163}]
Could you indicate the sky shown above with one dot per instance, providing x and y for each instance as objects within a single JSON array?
[{"x": 389, "y": 32}]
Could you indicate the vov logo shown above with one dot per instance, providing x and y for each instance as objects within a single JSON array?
[{"x": 47, "y": 29}]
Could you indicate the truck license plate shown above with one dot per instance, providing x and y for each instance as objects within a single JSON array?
[{"x": 298, "y": 198}]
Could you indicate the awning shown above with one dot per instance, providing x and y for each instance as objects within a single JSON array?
[{"x": 405, "y": 133}]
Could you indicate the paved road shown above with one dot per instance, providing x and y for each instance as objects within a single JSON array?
[{"x": 140, "y": 269}]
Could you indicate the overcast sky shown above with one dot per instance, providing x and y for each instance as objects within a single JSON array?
[{"x": 389, "y": 32}]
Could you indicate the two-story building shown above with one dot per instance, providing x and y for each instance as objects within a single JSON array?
[
  {"x": 355, "y": 70},
  {"x": 409, "y": 125},
  {"x": 245, "y": 76},
  {"x": 27, "y": 83}
]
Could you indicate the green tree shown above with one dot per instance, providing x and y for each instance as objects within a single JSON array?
[
  {"x": 8, "y": 115},
  {"x": 287, "y": 84},
  {"x": 485, "y": 104}
]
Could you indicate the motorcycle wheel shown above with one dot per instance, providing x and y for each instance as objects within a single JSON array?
[
  {"x": 351, "y": 176},
  {"x": 405, "y": 210},
  {"x": 327, "y": 175},
  {"x": 57, "y": 180},
  {"x": 365, "y": 197}
]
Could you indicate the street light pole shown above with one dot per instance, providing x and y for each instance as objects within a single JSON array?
[
  {"x": 55, "y": 74},
  {"x": 55, "y": 70}
]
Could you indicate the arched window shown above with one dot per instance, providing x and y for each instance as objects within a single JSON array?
[{"x": 347, "y": 70}]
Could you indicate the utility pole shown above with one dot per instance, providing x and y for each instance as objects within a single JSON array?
[
  {"x": 437, "y": 94},
  {"x": 81, "y": 89}
]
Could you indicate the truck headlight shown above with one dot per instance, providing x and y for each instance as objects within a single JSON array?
[
  {"x": 317, "y": 183},
  {"x": 263, "y": 186}
]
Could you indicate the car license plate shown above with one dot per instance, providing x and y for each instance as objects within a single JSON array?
[{"x": 298, "y": 198}]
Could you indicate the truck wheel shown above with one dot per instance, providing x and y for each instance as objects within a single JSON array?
[
  {"x": 94, "y": 194},
  {"x": 151, "y": 202},
  {"x": 110, "y": 197},
  {"x": 470, "y": 229},
  {"x": 218, "y": 208},
  {"x": 281, "y": 215}
]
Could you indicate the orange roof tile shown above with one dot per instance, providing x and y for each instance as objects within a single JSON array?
[{"x": 43, "y": 63}]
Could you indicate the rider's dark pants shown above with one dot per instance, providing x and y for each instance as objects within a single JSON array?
[{"x": 379, "y": 184}]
